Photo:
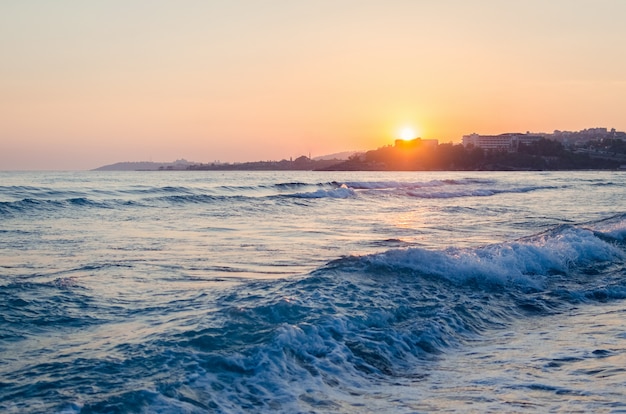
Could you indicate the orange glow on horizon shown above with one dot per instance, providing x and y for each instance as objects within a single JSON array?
[{"x": 243, "y": 81}]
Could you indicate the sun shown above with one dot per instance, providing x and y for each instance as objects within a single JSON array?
[{"x": 407, "y": 133}]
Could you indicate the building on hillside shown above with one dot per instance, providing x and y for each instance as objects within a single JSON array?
[
  {"x": 504, "y": 142},
  {"x": 583, "y": 137}
]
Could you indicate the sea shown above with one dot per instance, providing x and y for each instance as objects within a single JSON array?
[{"x": 312, "y": 292}]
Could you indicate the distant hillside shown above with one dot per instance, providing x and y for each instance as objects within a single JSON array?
[
  {"x": 304, "y": 163},
  {"x": 145, "y": 166},
  {"x": 338, "y": 155}
]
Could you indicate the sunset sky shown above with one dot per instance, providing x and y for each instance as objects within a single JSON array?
[{"x": 88, "y": 83}]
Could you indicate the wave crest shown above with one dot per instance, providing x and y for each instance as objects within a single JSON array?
[{"x": 528, "y": 262}]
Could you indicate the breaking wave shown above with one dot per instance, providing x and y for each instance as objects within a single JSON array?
[{"x": 319, "y": 342}]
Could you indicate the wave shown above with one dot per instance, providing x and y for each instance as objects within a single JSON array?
[
  {"x": 45, "y": 199},
  {"x": 322, "y": 341},
  {"x": 29, "y": 204},
  {"x": 185, "y": 199},
  {"x": 47, "y": 306},
  {"x": 425, "y": 189},
  {"x": 527, "y": 261},
  {"x": 30, "y": 192},
  {"x": 382, "y": 185},
  {"x": 34, "y": 199},
  {"x": 341, "y": 192},
  {"x": 294, "y": 185},
  {"x": 148, "y": 190},
  {"x": 483, "y": 192},
  {"x": 439, "y": 188},
  {"x": 613, "y": 228}
]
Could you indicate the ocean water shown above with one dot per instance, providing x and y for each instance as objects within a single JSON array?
[{"x": 324, "y": 292}]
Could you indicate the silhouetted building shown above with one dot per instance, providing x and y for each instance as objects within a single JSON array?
[{"x": 417, "y": 142}]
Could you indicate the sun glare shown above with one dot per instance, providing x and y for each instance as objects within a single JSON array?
[{"x": 407, "y": 134}]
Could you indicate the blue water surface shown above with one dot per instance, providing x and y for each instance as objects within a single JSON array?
[{"x": 312, "y": 292}]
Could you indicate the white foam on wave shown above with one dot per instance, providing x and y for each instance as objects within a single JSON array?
[
  {"x": 283, "y": 375},
  {"x": 440, "y": 188},
  {"x": 341, "y": 192},
  {"x": 308, "y": 367},
  {"x": 526, "y": 261}
]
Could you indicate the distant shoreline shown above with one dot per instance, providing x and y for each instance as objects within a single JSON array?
[
  {"x": 490, "y": 162},
  {"x": 593, "y": 149},
  {"x": 494, "y": 169}
]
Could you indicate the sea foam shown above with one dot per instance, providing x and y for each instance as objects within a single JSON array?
[{"x": 526, "y": 261}]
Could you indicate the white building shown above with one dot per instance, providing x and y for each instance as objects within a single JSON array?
[{"x": 504, "y": 142}]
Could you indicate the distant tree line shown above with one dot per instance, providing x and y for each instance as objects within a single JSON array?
[
  {"x": 609, "y": 146},
  {"x": 302, "y": 163}
]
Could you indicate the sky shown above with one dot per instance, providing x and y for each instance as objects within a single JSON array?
[{"x": 89, "y": 83}]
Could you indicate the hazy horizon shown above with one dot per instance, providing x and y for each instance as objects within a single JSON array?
[{"x": 90, "y": 84}]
